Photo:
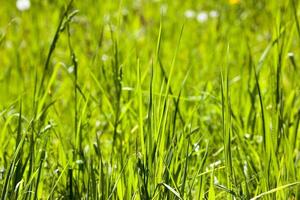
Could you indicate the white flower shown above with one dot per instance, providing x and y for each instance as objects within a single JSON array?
[
  {"x": 213, "y": 14},
  {"x": 247, "y": 135},
  {"x": 202, "y": 17},
  {"x": 258, "y": 138},
  {"x": 189, "y": 14},
  {"x": 71, "y": 69},
  {"x": 290, "y": 54},
  {"x": 23, "y": 5},
  {"x": 104, "y": 57},
  {"x": 196, "y": 147},
  {"x": 98, "y": 123}
]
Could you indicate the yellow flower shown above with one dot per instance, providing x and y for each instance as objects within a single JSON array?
[{"x": 234, "y": 1}]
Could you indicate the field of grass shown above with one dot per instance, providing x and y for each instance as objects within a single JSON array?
[{"x": 150, "y": 99}]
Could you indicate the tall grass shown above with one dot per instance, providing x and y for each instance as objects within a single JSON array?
[{"x": 144, "y": 100}]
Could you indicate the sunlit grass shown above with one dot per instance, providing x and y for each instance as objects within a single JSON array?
[{"x": 149, "y": 99}]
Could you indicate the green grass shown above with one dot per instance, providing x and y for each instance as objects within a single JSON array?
[{"x": 135, "y": 100}]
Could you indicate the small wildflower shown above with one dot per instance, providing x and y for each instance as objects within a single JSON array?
[
  {"x": 71, "y": 69},
  {"x": 23, "y": 5},
  {"x": 104, "y": 57},
  {"x": 202, "y": 17},
  {"x": 213, "y": 14},
  {"x": 234, "y": 1},
  {"x": 196, "y": 147},
  {"x": 258, "y": 138},
  {"x": 189, "y": 14},
  {"x": 247, "y": 135},
  {"x": 290, "y": 54},
  {"x": 98, "y": 123},
  {"x": 79, "y": 162}
]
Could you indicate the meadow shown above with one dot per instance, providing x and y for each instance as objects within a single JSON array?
[{"x": 150, "y": 99}]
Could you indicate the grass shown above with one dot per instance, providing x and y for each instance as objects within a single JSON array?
[{"x": 149, "y": 100}]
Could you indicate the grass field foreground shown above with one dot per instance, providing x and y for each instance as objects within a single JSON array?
[{"x": 149, "y": 99}]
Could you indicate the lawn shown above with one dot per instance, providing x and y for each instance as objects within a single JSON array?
[{"x": 150, "y": 99}]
